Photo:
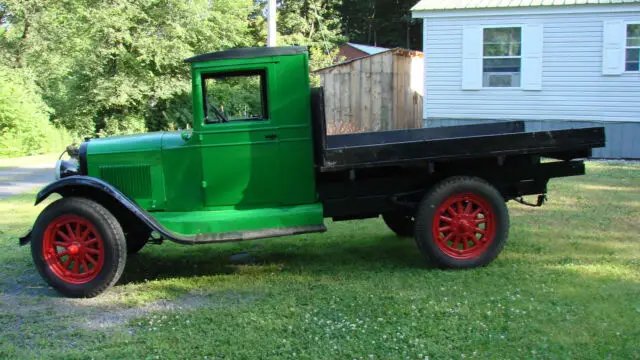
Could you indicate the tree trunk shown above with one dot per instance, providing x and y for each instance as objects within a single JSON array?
[{"x": 22, "y": 46}]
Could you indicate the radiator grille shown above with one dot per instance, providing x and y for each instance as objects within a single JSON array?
[{"x": 133, "y": 180}]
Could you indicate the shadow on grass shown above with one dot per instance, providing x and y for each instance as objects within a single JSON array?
[{"x": 292, "y": 255}]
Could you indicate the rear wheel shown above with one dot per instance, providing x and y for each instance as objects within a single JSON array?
[
  {"x": 78, "y": 247},
  {"x": 400, "y": 224},
  {"x": 462, "y": 223}
]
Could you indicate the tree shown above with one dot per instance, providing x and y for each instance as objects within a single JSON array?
[
  {"x": 24, "y": 117},
  {"x": 117, "y": 60},
  {"x": 312, "y": 23},
  {"x": 385, "y": 23}
]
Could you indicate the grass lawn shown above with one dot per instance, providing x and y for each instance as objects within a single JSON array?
[{"x": 567, "y": 285}]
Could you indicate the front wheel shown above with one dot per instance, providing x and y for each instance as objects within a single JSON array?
[
  {"x": 78, "y": 247},
  {"x": 462, "y": 223}
]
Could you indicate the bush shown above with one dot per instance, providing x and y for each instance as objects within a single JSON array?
[
  {"x": 24, "y": 118},
  {"x": 122, "y": 125}
]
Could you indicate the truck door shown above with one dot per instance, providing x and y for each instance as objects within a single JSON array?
[{"x": 239, "y": 141}]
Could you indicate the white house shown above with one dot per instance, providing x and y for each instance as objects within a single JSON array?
[{"x": 554, "y": 63}]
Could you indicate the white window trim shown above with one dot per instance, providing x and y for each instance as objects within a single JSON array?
[
  {"x": 626, "y": 25},
  {"x": 521, "y": 26}
]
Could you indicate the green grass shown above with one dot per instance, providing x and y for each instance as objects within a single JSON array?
[{"x": 567, "y": 285}]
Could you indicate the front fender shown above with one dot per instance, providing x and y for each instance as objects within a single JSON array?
[
  {"x": 67, "y": 186},
  {"x": 99, "y": 191}
]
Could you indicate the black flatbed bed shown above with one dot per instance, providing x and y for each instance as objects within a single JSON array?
[{"x": 402, "y": 147}]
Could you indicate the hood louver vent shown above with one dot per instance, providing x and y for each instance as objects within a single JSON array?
[{"x": 133, "y": 180}]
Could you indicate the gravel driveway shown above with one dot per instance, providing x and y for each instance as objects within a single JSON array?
[{"x": 16, "y": 180}]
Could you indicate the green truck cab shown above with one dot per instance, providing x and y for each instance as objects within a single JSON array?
[{"x": 259, "y": 164}]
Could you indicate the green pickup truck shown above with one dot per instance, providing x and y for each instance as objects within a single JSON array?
[{"x": 258, "y": 163}]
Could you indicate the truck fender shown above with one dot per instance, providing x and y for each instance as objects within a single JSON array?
[
  {"x": 103, "y": 193},
  {"x": 126, "y": 210}
]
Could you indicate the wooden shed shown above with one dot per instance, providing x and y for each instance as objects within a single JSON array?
[{"x": 376, "y": 92}]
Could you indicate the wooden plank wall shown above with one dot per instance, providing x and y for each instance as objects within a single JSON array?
[{"x": 375, "y": 93}]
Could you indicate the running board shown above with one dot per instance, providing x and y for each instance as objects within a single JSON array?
[{"x": 235, "y": 236}]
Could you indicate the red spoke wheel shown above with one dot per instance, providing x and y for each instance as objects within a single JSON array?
[
  {"x": 73, "y": 249},
  {"x": 78, "y": 247},
  {"x": 464, "y": 226},
  {"x": 463, "y": 222}
]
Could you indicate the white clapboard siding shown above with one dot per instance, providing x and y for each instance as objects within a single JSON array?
[{"x": 571, "y": 83}]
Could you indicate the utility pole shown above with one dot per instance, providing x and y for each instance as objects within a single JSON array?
[{"x": 271, "y": 23}]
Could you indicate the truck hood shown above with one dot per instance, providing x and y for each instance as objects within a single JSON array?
[{"x": 127, "y": 143}]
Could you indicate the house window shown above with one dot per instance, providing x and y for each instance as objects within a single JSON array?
[
  {"x": 502, "y": 57},
  {"x": 632, "y": 62},
  {"x": 235, "y": 96}
]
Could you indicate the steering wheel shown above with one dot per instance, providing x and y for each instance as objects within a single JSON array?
[{"x": 218, "y": 113}]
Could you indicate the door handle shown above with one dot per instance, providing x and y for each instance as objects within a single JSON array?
[{"x": 271, "y": 136}]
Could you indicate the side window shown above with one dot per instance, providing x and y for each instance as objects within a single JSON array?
[
  {"x": 236, "y": 96},
  {"x": 632, "y": 61},
  {"x": 502, "y": 57}
]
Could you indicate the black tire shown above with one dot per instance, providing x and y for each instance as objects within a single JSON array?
[
  {"x": 136, "y": 240},
  {"x": 444, "y": 254},
  {"x": 402, "y": 225},
  {"x": 112, "y": 245}
]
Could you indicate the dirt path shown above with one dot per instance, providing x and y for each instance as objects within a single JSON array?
[{"x": 18, "y": 179}]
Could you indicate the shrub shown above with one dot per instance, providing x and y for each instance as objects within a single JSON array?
[
  {"x": 122, "y": 125},
  {"x": 24, "y": 118}
]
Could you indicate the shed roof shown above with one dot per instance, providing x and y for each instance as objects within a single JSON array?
[
  {"x": 371, "y": 50},
  {"x": 395, "y": 51},
  {"x": 431, "y": 5}
]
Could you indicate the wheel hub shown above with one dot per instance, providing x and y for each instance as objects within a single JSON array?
[{"x": 73, "y": 249}]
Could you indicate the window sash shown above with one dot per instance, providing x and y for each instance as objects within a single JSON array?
[
  {"x": 512, "y": 45},
  {"x": 501, "y": 57},
  {"x": 502, "y": 41},
  {"x": 636, "y": 40}
]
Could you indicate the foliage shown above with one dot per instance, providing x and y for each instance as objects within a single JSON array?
[
  {"x": 122, "y": 59},
  {"x": 235, "y": 97},
  {"x": 24, "y": 118},
  {"x": 119, "y": 124},
  {"x": 566, "y": 286},
  {"x": 386, "y": 23}
]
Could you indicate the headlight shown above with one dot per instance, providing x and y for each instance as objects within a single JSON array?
[{"x": 65, "y": 168}]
